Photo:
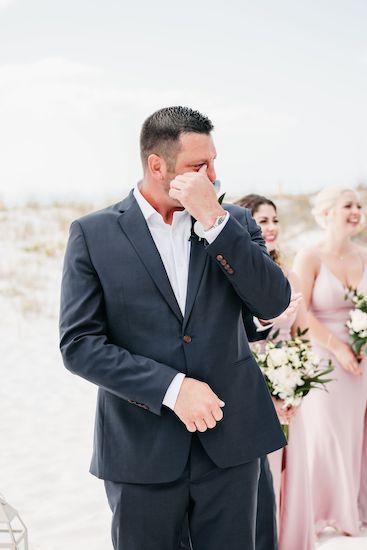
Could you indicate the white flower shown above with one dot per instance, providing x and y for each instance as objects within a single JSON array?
[
  {"x": 277, "y": 357},
  {"x": 285, "y": 380},
  {"x": 358, "y": 320},
  {"x": 293, "y": 357}
]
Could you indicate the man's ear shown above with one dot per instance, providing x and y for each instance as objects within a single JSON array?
[{"x": 157, "y": 166}]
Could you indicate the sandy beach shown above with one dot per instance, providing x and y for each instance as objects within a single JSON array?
[{"x": 46, "y": 413}]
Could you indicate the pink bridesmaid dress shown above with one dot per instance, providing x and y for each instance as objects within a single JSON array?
[
  {"x": 336, "y": 421},
  {"x": 290, "y": 478}
]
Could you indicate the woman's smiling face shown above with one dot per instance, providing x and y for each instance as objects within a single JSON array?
[
  {"x": 266, "y": 217},
  {"x": 346, "y": 216}
]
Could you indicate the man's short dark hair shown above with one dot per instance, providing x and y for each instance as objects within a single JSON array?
[{"x": 161, "y": 131}]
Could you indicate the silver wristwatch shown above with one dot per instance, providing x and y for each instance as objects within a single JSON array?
[{"x": 218, "y": 221}]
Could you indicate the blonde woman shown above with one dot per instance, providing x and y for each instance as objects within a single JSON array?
[
  {"x": 288, "y": 466},
  {"x": 336, "y": 420}
]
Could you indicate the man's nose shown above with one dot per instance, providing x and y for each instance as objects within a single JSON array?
[{"x": 211, "y": 173}]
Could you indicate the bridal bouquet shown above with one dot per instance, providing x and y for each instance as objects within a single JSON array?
[
  {"x": 291, "y": 370},
  {"x": 357, "y": 323}
]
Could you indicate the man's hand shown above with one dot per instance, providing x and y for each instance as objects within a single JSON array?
[
  {"x": 197, "y": 406},
  {"x": 196, "y": 193}
]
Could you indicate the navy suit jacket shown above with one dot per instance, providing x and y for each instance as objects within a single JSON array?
[{"x": 122, "y": 329}]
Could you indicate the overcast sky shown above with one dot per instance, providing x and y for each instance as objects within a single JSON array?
[{"x": 284, "y": 82}]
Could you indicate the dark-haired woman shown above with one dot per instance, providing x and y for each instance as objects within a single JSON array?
[{"x": 288, "y": 466}]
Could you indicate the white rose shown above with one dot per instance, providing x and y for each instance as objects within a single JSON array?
[
  {"x": 277, "y": 357},
  {"x": 358, "y": 320},
  {"x": 285, "y": 380}
]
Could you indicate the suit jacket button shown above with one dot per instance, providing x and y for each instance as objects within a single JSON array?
[
  {"x": 187, "y": 339},
  {"x": 219, "y": 257}
]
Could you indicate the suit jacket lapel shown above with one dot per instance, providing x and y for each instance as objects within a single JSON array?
[
  {"x": 198, "y": 259},
  {"x": 136, "y": 230}
]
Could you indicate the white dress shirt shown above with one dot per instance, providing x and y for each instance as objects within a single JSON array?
[{"x": 173, "y": 244}]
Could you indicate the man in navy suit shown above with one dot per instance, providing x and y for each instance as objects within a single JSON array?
[{"x": 154, "y": 292}]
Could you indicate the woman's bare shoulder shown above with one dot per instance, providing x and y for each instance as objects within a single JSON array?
[{"x": 309, "y": 256}]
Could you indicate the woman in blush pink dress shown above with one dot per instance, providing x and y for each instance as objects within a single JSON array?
[
  {"x": 336, "y": 420},
  {"x": 288, "y": 466}
]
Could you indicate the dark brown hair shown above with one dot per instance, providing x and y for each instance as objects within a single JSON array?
[
  {"x": 161, "y": 131},
  {"x": 253, "y": 203}
]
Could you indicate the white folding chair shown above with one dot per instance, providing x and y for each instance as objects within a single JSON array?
[{"x": 13, "y": 532}]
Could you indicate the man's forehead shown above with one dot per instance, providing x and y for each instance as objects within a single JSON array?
[{"x": 195, "y": 143}]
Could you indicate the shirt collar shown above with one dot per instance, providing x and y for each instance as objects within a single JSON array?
[{"x": 147, "y": 209}]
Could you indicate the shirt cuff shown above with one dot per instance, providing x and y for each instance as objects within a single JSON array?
[
  {"x": 213, "y": 233},
  {"x": 173, "y": 389},
  {"x": 259, "y": 326}
]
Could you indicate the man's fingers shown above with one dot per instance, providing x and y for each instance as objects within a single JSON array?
[
  {"x": 190, "y": 427},
  {"x": 176, "y": 183},
  {"x": 201, "y": 425},
  {"x": 217, "y": 413},
  {"x": 203, "y": 169},
  {"x": 174, "y": 193},
  {"x": 210, "y": 422},
  {"x": 197, "y": 406}
]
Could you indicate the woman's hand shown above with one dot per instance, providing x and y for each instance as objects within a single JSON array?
[
  {"x": 294, "y": 304},
  {"x": 284, "y": 415},
  {"x": 345, "y": 357}
]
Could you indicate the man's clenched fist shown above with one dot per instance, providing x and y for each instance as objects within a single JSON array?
[{"x": 197, "y": 406}]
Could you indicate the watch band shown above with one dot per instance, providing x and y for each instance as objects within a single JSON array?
[{"x": 218, "y": 221}]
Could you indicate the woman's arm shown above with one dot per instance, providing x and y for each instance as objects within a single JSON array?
[{"x": 306, "y": 266}]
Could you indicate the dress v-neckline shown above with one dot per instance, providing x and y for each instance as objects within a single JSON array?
[{"x": 341, "y": 282}]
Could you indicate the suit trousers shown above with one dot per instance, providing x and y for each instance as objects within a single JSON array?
[
  {"x": 266, "y": 524},
  {"x": 220, "y": 504}
]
